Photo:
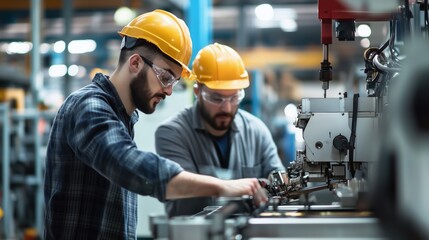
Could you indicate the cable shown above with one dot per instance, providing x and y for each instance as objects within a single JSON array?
[
  {"x": 392, "y": 39},
  {"x": 380, "y": 50},
  {"x": 353, "y": 134},
  {"x": 408, "y": 17},
  {"x": 382, "y": 67}
]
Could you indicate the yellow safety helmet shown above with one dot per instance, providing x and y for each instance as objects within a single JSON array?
[
  {"x": 220, "y": 67},
  {"x": 169, "y": 33}
]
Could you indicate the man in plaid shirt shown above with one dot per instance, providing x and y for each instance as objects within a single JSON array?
[{"x": 94, "y": 170}]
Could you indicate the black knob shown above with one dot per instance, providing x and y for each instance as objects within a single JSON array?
[{"x": 341, "y": 143}]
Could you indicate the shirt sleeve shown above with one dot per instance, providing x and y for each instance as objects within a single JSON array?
[
  {"x": 270, "y": 157},
  {"x": 102, "y": 141},
  {"x": 171, "y": 142}
]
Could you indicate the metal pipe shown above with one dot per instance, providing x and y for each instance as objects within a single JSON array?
[
  {"x": 7, "y": 221},
  {"x": 38, "y": 166},
  {"x": 67, "y": 16},
  {"x": 36, "y": 86},
  {"x": 382, "y": 67},
  {"x": 36, "y": 73},
  {"x": 325, "y": 52}
]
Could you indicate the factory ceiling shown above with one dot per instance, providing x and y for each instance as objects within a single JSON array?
[{"x": 95, "y": 18}]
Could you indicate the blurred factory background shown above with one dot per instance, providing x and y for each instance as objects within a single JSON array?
[{"x": 50, "y": 48}]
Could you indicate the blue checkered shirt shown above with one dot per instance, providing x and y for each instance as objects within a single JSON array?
[{"x": 94, "y": 170}]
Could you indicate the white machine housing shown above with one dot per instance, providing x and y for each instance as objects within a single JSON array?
[{"x": 323, "y": 119}]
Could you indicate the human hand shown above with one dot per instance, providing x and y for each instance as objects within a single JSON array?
[{"x": 245, "y": 186}]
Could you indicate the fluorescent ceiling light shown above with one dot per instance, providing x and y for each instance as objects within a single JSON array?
[
  {"x": 288, "y": 25},
  {"x": 59, "y": 46},
  {"x": 264, "y": 12},
  {"x": 19, "y": 47},
  {"x": 124, "y": 15},
  {"x": 57, "y": 70},
  {"x": 82, "y": 46},
  {"x": 363, "y": 30}
]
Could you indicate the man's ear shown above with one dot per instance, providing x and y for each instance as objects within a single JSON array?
[{"x": 135, "y": 63}]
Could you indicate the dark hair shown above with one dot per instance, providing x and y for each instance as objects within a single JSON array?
[
  {"x": 141, "y": 45},
  {"x": 150, "y": 50}
]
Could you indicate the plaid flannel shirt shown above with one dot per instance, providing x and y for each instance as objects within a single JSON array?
[{"x": 94, "y": 170}]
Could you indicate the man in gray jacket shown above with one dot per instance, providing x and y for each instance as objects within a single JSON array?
[{"x": 214, "y": 137}]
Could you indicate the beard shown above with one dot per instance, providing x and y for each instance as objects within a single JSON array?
[
  {"x": 141, "y": 93},
  {"x": 212, "y": 121}
]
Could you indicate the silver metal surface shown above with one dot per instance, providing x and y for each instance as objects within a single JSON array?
[
  {"x": 200, "y": 228},
  {"x": 285, "y": 222},
  {"x": 329, "y": 117},
  {"x": 335, "y": 105},
  {"x": 319, "y": 143},
  {"x": 313, "y": 207},
  {"x": 286, "y": 228}
]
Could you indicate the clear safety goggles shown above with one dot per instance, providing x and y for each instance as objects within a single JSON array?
[
  {"x": 165, "y": 77},
  {"x": 218, "y": 99}
]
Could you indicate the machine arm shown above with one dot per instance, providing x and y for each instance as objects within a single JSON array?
[{"x": 329, "y": 10}]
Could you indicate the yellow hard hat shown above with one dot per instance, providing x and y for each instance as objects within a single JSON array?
[
  {"x": 169, "y": 33},
  {"x": 220, "y": 67}
]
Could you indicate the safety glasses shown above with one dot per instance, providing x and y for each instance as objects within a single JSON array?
[
  {"x": 165, "y": 77},
  {"x": 218, "y": 99}
]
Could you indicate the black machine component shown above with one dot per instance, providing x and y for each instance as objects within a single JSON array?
[
  {"x": 341, "y": 143},
  {"x": 346, "y": 30}
]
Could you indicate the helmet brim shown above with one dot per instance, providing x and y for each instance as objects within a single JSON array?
[
  {"x": 187, "y": 73},
  {"x": 228, "y": 84}
]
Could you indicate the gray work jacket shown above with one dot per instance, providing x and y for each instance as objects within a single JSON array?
[{"x": 184, "y": 140}]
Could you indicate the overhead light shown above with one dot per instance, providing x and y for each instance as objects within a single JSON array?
[
  {"x": 288, "y": 25},
  {"x": 290, "y": 111},
  {"x": 44, "y": 48},
  {"x": 57, "y": 70},
  {"x": 264, "y": 12},
  {"x": 363, "y": 30},
  {"x": 59, "y": 46},
  {"x": 365, "y": 43},
  {"x": 19, "y": 47},
  {"x": 73, "y": 70},
  {"x": 124, "y": 15},
  {"x": 82, "y": 46}
]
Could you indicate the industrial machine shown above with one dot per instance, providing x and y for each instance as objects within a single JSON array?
[
  {"x": 356, "y": 149},
  {"x": 400, "y": 195}
]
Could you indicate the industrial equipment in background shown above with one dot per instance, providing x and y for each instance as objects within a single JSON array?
[
  {"x": 345, "y": 13},
  {"x": 368, "y": 153},
  {"x": 23, "y": 135}
]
